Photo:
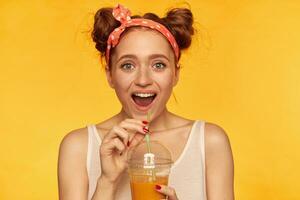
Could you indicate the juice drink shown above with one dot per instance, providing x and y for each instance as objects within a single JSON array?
[
  {"x": 147, "y": 169},
  {"x": 144, "y": 189}
]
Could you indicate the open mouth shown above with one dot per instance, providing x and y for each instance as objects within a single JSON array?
[{"x": 143, "y": 99}]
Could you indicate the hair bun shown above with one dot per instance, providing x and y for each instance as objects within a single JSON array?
[
  {"x": 104, "y": 24},
  {"x": 180, "y": 23}
]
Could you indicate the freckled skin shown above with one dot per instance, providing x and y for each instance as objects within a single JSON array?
[{"x": 144, "y": 74}]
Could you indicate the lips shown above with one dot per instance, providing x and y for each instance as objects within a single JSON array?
[{"x": 143, "y": 100}]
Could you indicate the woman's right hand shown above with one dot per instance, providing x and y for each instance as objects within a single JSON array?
[{"x": 115, "y": 145}]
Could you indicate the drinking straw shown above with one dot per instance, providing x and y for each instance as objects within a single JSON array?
[{"x": 147, "y": 137}]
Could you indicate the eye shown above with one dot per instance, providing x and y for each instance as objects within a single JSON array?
[
  {"x": 159, "y": 65},
  {"x": 127, "y": 66}
]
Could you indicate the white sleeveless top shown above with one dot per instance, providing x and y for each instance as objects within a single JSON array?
[{"x": 187, "y": 173}]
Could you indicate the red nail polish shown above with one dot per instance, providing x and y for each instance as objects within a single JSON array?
[
  {"x": 158, "y": 187},
  {"x": 145, "y": 129},
  {"x": 145, "y": 122},
  {"x": 128, "y": 143}
]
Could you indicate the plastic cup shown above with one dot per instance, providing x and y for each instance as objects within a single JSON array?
[{"x": 147, "y": 169}]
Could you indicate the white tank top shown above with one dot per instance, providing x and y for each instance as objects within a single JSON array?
[{"x": 187, "y": 173}]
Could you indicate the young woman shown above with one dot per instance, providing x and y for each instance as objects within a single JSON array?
[{"x": 142, "y": 65}]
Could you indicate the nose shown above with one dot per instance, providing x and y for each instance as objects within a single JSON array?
[{"x": 143, "y": 77}]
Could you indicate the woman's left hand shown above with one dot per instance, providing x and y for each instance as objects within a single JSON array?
[{"x": 168, "y": 191}]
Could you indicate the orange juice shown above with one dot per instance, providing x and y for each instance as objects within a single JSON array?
[
  {"x": 147, "y": 168},
  {"x": 143, "y": 188}
]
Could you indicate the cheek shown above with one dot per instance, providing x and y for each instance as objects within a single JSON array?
[
  {"x": 166, "y": 88},
  {"x": 166, "y": 82},
  {"x": 122, "y": 83}
]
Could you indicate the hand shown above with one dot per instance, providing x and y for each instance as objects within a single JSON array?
[
  {"x": 115, "y": 145},
  {"x": 168, "y": 191}
]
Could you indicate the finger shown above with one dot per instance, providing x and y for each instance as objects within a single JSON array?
[
  {"x": 124, "y": 129},
  {"x": 137, "y": 121},
  {"x": 136, "y": 139},
  {"x": 124, "y": 156},
  {"x": 166, "y": 190},
  {"x": 133, "y": 127},
  {"x": 117, "y": 131},
  {"x": 114, "y": 144},
  {"x": 127, "y": 130}
]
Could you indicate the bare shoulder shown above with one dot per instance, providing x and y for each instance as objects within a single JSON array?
[
  {"x": 72, "y": 160},
  {"x": 75, "y": 141},
  {"x": 218, "y": 153},
  {"x": 73, "y": 148},
  {"x": 219, "y": 163},
  {"x": 215, "y": 136}
]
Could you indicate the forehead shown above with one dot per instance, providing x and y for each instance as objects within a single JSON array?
[{"x": 142, "y": 42}]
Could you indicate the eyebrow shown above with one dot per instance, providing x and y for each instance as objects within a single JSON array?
[{"x": 151, "y": 56}]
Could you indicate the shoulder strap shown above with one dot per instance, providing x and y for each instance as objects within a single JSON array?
[
  {"x": 96, "y": 134},
  {"x": 202, "y": 140},
  {"x": 90, "y": 146},
  {"x": 93, "y": 138}
]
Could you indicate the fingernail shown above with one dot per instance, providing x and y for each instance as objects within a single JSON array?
[
  {"x": 145, "y": 129},
  {"x": 145, "y": 122},
  {"x": 158, "y": 187},
  {"x": 128, "y": 143}
]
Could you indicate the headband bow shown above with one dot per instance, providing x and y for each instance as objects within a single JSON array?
[{"x": 123, "y": 15}]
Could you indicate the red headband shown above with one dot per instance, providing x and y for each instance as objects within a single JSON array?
[{"x": 122, "y": 14}]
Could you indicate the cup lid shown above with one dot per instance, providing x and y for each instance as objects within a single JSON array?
[{"x": 140, "y": 156}]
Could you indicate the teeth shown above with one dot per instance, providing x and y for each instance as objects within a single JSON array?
[{"x": 144, "y": 94}]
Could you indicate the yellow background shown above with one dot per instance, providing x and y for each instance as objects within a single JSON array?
[{"x": 242, "y": 72}]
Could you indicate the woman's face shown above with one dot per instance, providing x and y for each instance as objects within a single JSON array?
[{"x": 143, "y": 72}]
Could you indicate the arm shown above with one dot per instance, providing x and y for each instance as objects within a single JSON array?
[
  {"x": 219, "y": 164},
  {"x": 72, "y": 175}
]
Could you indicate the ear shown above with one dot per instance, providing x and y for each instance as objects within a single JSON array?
[
  {"x": 177, "y": 73},
  {"x": 109, "y": 77}
]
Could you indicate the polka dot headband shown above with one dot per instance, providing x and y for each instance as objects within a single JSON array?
[{"x": 122, "y": 14}]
